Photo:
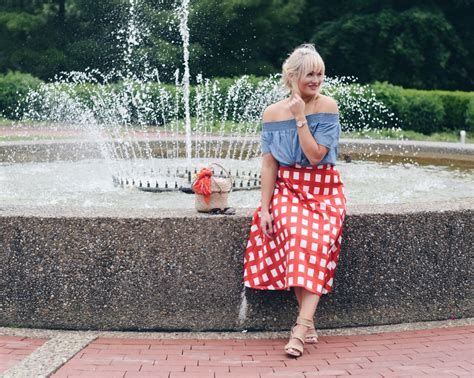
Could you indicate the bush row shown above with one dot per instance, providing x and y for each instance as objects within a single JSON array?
[
  {"x": 428, "y": 111},
  {"x": 14, "y": 86},
  {"x": 418, "y": 110}
]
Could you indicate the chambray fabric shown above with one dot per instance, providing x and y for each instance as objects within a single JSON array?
[{"x": 280, "y": 138}]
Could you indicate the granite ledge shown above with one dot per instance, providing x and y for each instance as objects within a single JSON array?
[{"x": 466, "y": 204}]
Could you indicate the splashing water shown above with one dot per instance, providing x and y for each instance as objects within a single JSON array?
[
  {"x": 133, "y": 116},
  {"x": 184, "y": 31}
]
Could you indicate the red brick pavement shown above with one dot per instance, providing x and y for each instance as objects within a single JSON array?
[
  {"x": 14, "y": 349},
  {"x": 439, "y": 352}
]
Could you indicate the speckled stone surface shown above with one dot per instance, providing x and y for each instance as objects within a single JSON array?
[{"x": 144, "y": 270}]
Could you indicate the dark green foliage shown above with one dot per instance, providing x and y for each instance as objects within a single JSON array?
[
  {"x": 425, "y": 44},
  {"x": 469, "y": 118},
  {"x": 456, "y": 104},
  {"x": 14, "y": 86},
  {"x": 423, "y": 112},
  {"x": 427, "y": 111},
  {"x": 415, "y": 48},
  {"x": 245, "y": 36}
]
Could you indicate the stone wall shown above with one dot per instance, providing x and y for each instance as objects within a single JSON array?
[{"x": 140, "y": 270}]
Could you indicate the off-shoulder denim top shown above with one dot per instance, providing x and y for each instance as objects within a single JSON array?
[{"x": 280, "y": 138}]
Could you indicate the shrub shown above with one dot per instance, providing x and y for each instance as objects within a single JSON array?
[
  {"x": 423, "y": 111},
  {"x": 13, "y": 88},
  {"x": 426, "y": 111},
  {"x": 469, "y": 116},
  {"x": 455, "y": 105}
]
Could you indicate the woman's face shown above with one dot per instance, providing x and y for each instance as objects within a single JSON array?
[{"x": 310, "y": 84}]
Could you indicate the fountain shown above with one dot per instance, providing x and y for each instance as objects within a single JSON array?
[{"x": 92, "y": 223}]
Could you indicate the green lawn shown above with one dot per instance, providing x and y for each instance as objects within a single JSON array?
[
  {"x": 15, "y": 138},
  {"x": 230, "y": 127},
  {"x": 446, "y": 136}
]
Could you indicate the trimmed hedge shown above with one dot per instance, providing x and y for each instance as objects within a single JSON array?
[
  {"x": 428, "y": 111},
  {"x": 13, "y": 87},
  {"x": 469, "y": 117},
  {"x": 418, "y": 110}
]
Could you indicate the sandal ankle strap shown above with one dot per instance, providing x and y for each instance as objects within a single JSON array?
[{"x": 306, "y": 322}]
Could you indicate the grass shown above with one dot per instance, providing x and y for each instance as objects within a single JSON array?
[
  {"x": 231, "y": 127},
  {"x": 15, "y": 138},
  {"x": 398, "y": 134},
  {"x": 213, "y": 126}
]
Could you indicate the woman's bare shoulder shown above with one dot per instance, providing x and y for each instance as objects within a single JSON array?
[
  {"x": 327, "y": 105},
  {"x": 276, "y": 112}
]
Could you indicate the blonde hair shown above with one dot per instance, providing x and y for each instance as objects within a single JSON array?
[{"x": 302, "y": 60}]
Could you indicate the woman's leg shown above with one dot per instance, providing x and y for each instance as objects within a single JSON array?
[
  {"x": 297, "y": 291},
  {"x": 308, "y": 302}
]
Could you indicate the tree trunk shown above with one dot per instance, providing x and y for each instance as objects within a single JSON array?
[{"x": 61, "y": 11}]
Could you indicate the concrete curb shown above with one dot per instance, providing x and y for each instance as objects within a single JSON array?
[{"x": 50, "y": 356}]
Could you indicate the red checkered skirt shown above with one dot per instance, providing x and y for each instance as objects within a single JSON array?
[{"x": 308, "y": 209}]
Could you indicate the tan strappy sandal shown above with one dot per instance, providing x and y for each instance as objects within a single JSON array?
[
  {"x": 311, "y": 336},
  {"x": 295, "y": 346}
]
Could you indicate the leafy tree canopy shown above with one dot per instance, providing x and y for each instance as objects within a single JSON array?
[{"x": 420, "y": 43}]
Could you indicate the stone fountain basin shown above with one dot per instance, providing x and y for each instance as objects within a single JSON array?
[
  {"x": 440, "y": 153},
  {"x": 72, "y": 174},
  {"x": 105, "y": 269},
  {"x": 149, "y": 269}
]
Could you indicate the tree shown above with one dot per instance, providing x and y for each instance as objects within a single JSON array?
[
  {"x": 244, "y": 36},
  {"x": 416, "y": 43},
  {"x": 416, "y": 48}
]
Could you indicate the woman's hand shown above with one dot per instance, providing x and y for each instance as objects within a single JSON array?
[
  {"x": 266, "y": 223},
  {"x": 296, "y": 105}
]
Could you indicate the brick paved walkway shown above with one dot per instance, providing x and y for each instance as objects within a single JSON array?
[
  {"x": 438, "y": 352},
  {"x": 13, "y": 349}
]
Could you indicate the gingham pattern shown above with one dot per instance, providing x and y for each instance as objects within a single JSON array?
[{"x": 308, "y": 209}]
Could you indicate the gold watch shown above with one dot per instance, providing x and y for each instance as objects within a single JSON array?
[{"x": 300, "y": 124}]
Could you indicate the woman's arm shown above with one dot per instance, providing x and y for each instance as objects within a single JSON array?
[
  {"x": 313, "y": 151},
  {"x": 269, "y": 175}
]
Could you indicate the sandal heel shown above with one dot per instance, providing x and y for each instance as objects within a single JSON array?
[{"x": 311, "y": 336}]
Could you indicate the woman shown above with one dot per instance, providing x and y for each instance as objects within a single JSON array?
[{"x": 295, "y": 235}]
